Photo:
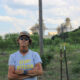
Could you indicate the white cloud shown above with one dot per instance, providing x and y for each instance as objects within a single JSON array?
[
  {"x": 11, "y": 11},
  {"x": 26, "y": 2},
  {"x": 21, "y": 12},
  {"x": 54, "y": 2},
  {"x": 60, "y": 11},
  {"x": 17, "y": 23},
  {"x": 12, "y": 19},
  {"x": 76, "y": 22},
  {"x": 54, "y": 21},
  {"x": 5, "y": 19}
]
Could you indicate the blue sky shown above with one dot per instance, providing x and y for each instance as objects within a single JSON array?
[{"x": 19, "y": 15}]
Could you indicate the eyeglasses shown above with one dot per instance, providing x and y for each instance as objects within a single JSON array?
[{"x": 24, "y": 38}]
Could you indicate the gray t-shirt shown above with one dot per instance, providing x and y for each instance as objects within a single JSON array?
[{"x": 26, "y": 62}]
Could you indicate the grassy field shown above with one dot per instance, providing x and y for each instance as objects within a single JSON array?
[{"x": 52, "y": 70}]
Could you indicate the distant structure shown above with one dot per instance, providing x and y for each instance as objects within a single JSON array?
[
  {"x": 35, "y": 28},
  {"x": 30, "y": 33},
  {"x": 65, "y": 27},
  {"x": 52, "y": 33}
]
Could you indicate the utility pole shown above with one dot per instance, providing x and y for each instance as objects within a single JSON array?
[{"x": 40, "y": 27}]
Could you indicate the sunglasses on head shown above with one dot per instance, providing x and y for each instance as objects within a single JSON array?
[{"x": 24, "y": 38}]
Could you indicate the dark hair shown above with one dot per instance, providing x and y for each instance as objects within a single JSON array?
[{"x": 30, "y": 41}]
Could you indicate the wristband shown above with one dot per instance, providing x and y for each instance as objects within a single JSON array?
[{"x": 25, "y": 72}]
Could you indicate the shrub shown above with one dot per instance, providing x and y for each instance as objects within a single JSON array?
[
  {"x": 76, "y": 69},
  {"x": 46, "y": 58}
]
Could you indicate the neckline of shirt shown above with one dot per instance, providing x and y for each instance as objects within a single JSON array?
[{"x": 25, "y": 54}]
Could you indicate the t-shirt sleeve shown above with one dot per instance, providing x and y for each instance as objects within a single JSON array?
[
  {"x": 11, "y": 60},
  {"x": 37, "y": 58}
]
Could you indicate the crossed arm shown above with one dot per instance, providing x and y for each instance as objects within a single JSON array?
[{"x": 18, "y": 74}]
